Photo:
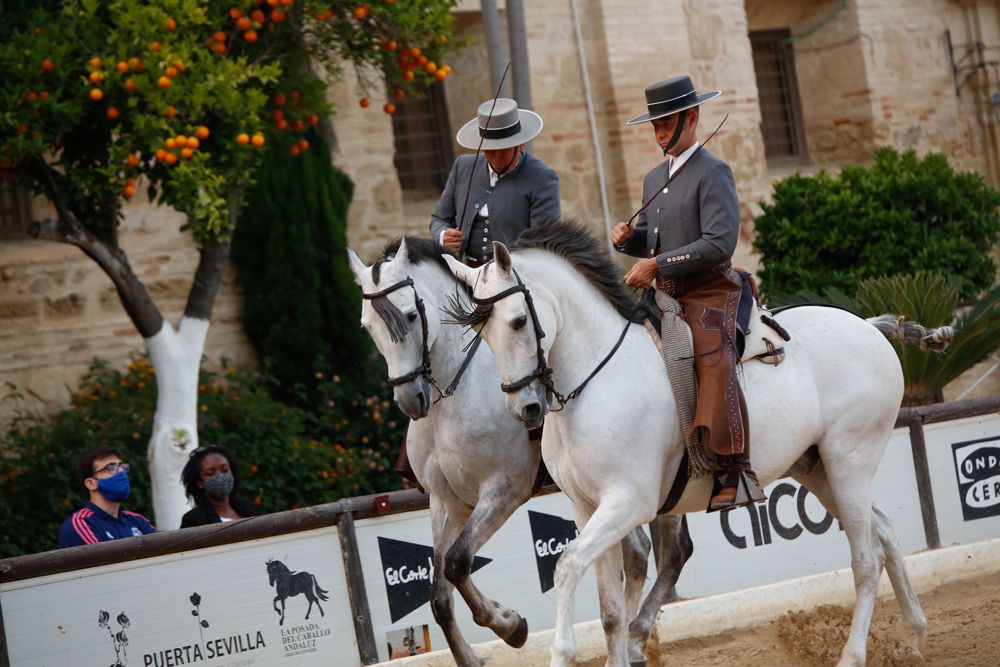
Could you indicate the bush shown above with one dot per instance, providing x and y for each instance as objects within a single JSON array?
[
  {"x": 901, "y": 215},
  {"x": 290, "y": 457}
]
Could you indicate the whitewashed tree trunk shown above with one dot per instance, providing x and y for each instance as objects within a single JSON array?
[{"x": 176, "y": 356}]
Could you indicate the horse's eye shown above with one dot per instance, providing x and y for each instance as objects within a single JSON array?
[
  {"x": 519, "y": 323},
  {"x": 412, "y": 317}
]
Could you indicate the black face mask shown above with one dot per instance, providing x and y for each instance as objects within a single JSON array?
[{"x": 219, "y": 486}]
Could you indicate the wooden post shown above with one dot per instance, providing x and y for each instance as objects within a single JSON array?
[
  {"x": 356, "y": 589},
  {"x": 918, "y": 447}
]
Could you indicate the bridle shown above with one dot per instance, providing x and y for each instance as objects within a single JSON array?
[
  {"x": 543, "y": 372},
  {"x": 424, "y": 370}
]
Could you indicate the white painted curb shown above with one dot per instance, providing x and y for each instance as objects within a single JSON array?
[{"x": 729, "y": 611}]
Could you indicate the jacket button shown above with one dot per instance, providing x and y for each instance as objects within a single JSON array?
[
  {"x": 477, "y": 205},
  {"x": 651, "y": 252},
  {"x": 656, "y": 230},
  {"x": 666, "y": 190}
]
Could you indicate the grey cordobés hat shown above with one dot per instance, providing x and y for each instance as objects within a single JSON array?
[
  {"x": 671, "y": 96},
  {"x": 506, "y": 127}
]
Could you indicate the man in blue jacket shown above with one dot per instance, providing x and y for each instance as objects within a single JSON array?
[
  {"x": 105, "y": 476},
  {"x": 511, "y": 189}
]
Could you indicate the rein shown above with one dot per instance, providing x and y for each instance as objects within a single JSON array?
[
  {"x": 424, "y": 370},
  {"x": 543, "y": 372}
]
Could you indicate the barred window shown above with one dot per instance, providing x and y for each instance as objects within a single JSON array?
[
  {"x": 15, "y": 209},
  {"x": 423, "y": 143},
  {"x": 780, "y": 107}
]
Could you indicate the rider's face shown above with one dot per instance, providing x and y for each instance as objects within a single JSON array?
[
  {"x": 664, "y": 128},
  {"x": 504, "y": 159}
]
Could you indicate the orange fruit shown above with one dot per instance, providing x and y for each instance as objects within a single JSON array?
[
  {"x": 112, "y": 113},
  {"x": 122, "y": 66},
  {"x": 242, "y": 138},
  {"x": 287, "y": 3},
  {"x": 391, "y": 45},
  {"x": 180, "y": 141},
  {"x": 170, "y": 158},
  {"x": 161, "y": 154},
  {"x": 193, "y": 143},
  {"x": 219, "y": 36},
  {"x": 258, "y": 140},
  {"x": 154, "y": 46},
  {"x": 171, "y": 72},
  {"x": 44, "y": 95},
  {"x": 415, "y": 52},
  {"x": 235, "y": 13},
  {"x": 360, "y": 12},
  {"x": 96, "y": 94},
  {"x": 409, "y": 75},
  {"x": 171, "y": 25},
  {"x": 389, "y": 108},
  {"x": 295, "y": 150},
  {"x": 163, "y": 82},
  {"x": 128, "y": 191},
  {"x": 257, "y": 16},
  {"x": 398, "y": 94},
  {"x": 277, "y": 16},
  {"x": 313, "y": 119},
  {"x": 130, "y": 85},
  {"x": 219, "y": 48},
  {"x": 364, "y": 102},
  {"x": 303, "y": 144},
  {"x": 430, "y": 68},
  {"x": 202, "y": 132},
  {"x": 179, "y": 64},
  {"x": 48, "y": 65},
  {"x": 132, "y": 160},
  {"x": 295, "y": 96},
  {"x": 273, "y": 3},
  {"x": 250, "y": 36},
  {"x": 96, "y": 77},
  {"x": 422, "y": 60},
  {"x": 298, "y": 126},
  {"x": 441, "y": 74},
  {"x": 135, "y": 64},
  {"x": 243, "y": 23},
  {"x": 186, "y": 153},
  {"x": 170, "y": 143},
  {"x": 277, "y": 114},
  {"x": 96, "y": 62},
  {"x": 170, "y": 111},
  {"x": 281, "y": 124}
]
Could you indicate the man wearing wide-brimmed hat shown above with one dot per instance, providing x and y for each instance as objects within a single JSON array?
[
  {"x": 687, "y": 236},
  {"x": 511, "y": 189}
]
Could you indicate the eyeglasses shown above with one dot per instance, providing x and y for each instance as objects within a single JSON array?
[{"x": 113, "y": 468}]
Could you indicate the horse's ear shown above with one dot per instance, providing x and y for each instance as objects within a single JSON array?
[
  {"x": 358, "y": 267},
  {"x": 502, "y": 258},
  {"x": 403, "y": 254},
  {"x": 466, "y": 274}
]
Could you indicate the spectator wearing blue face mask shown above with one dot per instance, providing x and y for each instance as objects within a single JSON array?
[
  {"x": 105, "y": 476},
  {"x": 211, "y": 479}
]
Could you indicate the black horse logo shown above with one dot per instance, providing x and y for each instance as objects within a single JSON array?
[{"x": 289, "y": 584}]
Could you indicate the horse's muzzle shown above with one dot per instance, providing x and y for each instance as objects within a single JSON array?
[
  {"x": 414, "y": 398},
  {"x": 532, "y": 415}
]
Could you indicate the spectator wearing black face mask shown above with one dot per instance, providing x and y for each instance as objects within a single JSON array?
[
  {"x": 104, "y": 475},
  {"x": 211, "y": 479}
]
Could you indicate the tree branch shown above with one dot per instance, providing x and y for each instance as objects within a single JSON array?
[
  {"x": 214, "y": 258},
  {"x": 113, "y": 261}
]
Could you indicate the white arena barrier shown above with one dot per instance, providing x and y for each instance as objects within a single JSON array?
[{"x": 206, "y": 595}]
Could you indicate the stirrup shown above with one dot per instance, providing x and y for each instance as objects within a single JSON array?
[{"x": 747, "y": 493}]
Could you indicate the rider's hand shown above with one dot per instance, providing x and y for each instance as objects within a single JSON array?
[
  {"x": 454, "y": 239},
  {"x": 621, "y": 233},
  {"x": 642, "y": 273}
]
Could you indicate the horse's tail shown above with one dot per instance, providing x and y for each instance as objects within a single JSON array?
[
  {"x": 898, "y": 328},
  {"x": 320, "y": 593}
]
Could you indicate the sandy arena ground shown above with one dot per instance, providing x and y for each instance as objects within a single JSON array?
[{"x": 963, "y": 631}]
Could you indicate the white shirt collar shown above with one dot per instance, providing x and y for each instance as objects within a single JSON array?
[{"x": 677, "y": 162}]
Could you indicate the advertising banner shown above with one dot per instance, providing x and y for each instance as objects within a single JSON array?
[{"x": 276, "y": 601}]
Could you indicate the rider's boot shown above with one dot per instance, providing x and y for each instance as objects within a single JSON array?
[{"x": 735, "y": 485}]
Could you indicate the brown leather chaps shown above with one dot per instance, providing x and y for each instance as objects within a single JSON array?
[{"x": 709, "y": 300}]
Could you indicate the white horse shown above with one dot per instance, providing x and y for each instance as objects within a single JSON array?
[
  {"x": 474, "y": 459},
  {"x": 553, "y": 310}
]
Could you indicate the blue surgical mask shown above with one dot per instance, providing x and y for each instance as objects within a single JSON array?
[{"x": 115, "y": 488}]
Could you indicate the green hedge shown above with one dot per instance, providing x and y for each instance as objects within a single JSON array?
[
  {"x": 290, "y": 457},
  {"x": 902, "y": 215}
]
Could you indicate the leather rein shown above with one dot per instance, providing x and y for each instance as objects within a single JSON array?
[
  {"x": 424, "y": 370},
  {"x": 543, "y": 372}
]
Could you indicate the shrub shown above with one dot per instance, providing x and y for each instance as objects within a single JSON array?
[
  {"x": 901, "y": 215},
  {"x": 290, "y": 457}
]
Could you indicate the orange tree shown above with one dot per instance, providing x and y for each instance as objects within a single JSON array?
[{"x": 104, "y": 98}]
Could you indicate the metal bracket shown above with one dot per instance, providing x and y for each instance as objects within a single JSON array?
[{"x": 973, "y": 57}]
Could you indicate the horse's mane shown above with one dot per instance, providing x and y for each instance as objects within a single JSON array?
[
  {"x": 573, "y": 242},
  {"x": 418, "y": 249}
]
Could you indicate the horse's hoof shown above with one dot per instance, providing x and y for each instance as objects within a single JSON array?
[{"x": 517, "y": 638}]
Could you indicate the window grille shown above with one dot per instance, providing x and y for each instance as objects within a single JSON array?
[
  {"x": 780, "y": 107},
  {"x": 424, "y": 151}
]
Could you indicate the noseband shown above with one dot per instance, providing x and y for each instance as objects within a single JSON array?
[{"x": 543, "y": 372}]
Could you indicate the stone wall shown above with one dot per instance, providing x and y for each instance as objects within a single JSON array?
[{"x": 58, "y": 310}]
